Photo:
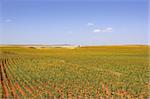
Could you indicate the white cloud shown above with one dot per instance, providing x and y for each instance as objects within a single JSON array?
[
  {"x": 108, "y": 29},
  {"x": 70, "y": 32},
  {"x": 96, "y": 30},
  {"x": 90, "y": 24},
  {"x": 8, "y": 20}
]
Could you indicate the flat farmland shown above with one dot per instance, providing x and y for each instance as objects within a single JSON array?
[{"x": 90, "y": 72}]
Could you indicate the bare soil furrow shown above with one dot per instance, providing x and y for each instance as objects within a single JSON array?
[
  {"x": 7, "y": 78},
  {"x": 4, "y": 88}
]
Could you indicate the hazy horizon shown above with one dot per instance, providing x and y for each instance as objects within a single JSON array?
[
  {"x": 81, "y": 22},
  {"x": 74, "y": 45}
]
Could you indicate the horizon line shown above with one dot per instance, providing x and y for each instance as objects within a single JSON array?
[{"x": 75, "y": 44}]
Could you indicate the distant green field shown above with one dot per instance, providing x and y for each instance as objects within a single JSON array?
[{"x": 82, "y": 73}]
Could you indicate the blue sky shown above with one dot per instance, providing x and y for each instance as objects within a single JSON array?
[{"x": 80, "y": 22}]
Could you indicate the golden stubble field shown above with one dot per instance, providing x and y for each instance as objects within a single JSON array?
[{"x": 91, "y": 72}]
